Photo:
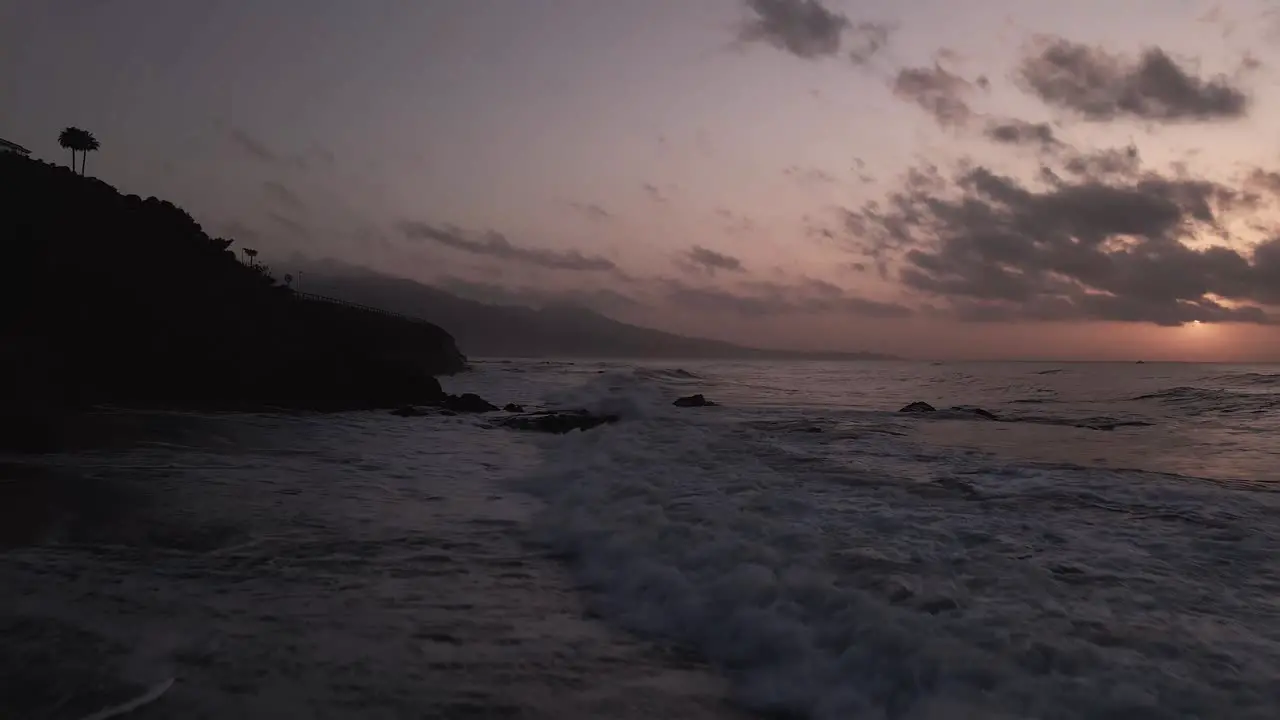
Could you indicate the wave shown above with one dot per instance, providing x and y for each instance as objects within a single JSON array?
[
  {"x": 847, "y": 577},
  {"x": 1202, "y": 400},
  {"x": 1251, "y": 378},
  {"x": 665, "y": 374}
]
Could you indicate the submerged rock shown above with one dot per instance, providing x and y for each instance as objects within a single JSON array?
[
  {"x": 971, "y": 410},
  {"x": 557, "y": 423},
  {"x": 918, "y": 407},
  {"x": 693, "y": 401},
  {"x": 467, "y": 403},
  {"x": 513, "y": 408}
]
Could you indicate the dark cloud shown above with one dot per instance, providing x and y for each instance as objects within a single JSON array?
[
  {"x": 281, "y": 194},
  {"x": 809, "y": 176},
  {"x": 804, "y": 28},
  {"x": 591, "y": 211},
  {"x": 763, "y": 299},
  {"x": 866, "y": 40},
  {"x": 654, "y": 192},
  {"x": 494, "y": 244},
  {"x": 1020, "y": 132},
  {"x": 252, "y": 146},
  {"x": 1100, "y": 85},
  {"x": 700, "y": 259},
  {"x": 936, "y": 90},
  {"x": 1077, "y": 248},
  {"x": 1108, "y": 164},
  {"x": 260, "y": 151},
  {"x": 735, "y": 224}
]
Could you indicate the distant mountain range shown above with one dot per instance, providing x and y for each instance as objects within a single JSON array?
[{"x": 483, "y": 330}]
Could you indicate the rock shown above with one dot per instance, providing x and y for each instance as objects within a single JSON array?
[
  {"x": 408, "y": 411},
  {"x": 936, "y": 605},
  {"x": 918, "y": 407},
  {"x": 557, "y": 423},
  {"x": 693, "y": 401},
  {"x": 987, "y": 414},
  {"x": 467, "y": 403},
  {"x": 513, "y": 408}
]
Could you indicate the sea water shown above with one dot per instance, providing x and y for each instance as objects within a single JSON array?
[{"x": 1107, "y": 548}]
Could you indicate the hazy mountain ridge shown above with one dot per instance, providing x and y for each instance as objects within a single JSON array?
[{"x": 484, "y": 330}]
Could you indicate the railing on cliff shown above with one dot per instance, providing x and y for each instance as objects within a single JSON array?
[{"x": 367, "y": 308}]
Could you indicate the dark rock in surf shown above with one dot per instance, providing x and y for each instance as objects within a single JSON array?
[
  {"x": 467, "y": 403},
  {"x": 693, "y": 401},
  {"x": 557, "y": 423},
  {"x": 409, "y": 411},
  {"x": 513, "y": 408},
  {"x": 918, "y": 407},
  {"x": 969, "y": 409}
]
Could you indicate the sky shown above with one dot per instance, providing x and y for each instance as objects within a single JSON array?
[{"x": 990, "y": 179}]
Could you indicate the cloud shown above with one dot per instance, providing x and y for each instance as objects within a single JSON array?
[
  {"x": 654, "y": 192},
  {"x": 804, "y": 28},
  {"x": 1013, "y": 131},
  {"x": 287, "y": 223},
  {"x": 700, "y": 259},
  {"x": 809, "y": 176},
  {"x": 1100, "y": 86},
  {"x": 867, "y": 39},
  {"x": 252, "y": 146},
  {"x": 281, "y": 194},
  {"x": 494, "y": 244},
  {"x": 1130, "y": 247},
  {"x": 602, "y": 300},
  {"x": 261, "y": 152},
  {"x": 937, "y": 91},
  {"x": 762, "y": 299},
  {"x": 1108, "y": 164},
  {"x": 591, "y": 211}
]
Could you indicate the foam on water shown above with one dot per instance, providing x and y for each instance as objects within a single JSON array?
[
  {"x": 865, "y": 575},
  {"x": 832, "y": 557}
]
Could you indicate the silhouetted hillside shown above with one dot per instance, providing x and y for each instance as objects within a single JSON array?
[
  {"x": 509, "y": 331},
  {"x": 111, "y": 298}
]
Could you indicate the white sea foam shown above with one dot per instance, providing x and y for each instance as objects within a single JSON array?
[{"x": 865, "y": 576}]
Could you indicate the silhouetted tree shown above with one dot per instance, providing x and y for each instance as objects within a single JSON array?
[
  {"x": 77, "y": 140},
  {"x": 69, "y": 139},
  {"x": 252, "y": 255},
  {"x": 90, "y": 144}
]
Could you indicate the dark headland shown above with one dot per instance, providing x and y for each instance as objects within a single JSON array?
[{"x": 112, "y": 299}]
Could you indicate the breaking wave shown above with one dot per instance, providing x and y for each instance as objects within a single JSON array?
[{"x": 864, "y": 575}]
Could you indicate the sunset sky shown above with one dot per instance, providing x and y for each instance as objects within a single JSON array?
[{"x": 996, "y": 178}]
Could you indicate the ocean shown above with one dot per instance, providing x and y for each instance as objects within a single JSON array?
[{"x": 1109, "y": 548}]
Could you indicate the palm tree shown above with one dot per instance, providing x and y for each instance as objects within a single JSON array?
[
  {"x": 252, "y": 255},
  {"x": 90, "y": 144},
  {"x": 77, "y": 140},
  {"x": 68, "y": 139}
]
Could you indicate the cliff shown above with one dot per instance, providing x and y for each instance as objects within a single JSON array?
[{"x": 110, "y": 298}]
